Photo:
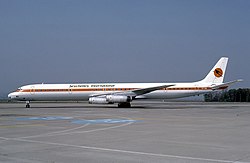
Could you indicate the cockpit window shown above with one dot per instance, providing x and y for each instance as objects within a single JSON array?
[{"x": 19, "y": 89}]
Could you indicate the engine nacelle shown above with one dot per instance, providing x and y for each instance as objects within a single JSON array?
[
  {"x": 98, "y": 100},
  {"x": 118, "y": 98}
]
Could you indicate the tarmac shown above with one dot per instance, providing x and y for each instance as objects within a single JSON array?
[{"x": 159, "y": 132}]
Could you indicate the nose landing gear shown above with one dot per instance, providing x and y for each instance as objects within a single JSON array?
[{"x": 27, "y": 104}]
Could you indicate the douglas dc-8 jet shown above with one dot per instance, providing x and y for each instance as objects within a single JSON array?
[{"x": 123, "y": 93}]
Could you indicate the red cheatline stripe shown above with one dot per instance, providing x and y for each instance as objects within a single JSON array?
[{"x": 108, "y": 89}]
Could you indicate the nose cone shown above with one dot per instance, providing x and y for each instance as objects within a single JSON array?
[
  {"x": 10, "y": 95},
  {"x": 13, "y": 95}
]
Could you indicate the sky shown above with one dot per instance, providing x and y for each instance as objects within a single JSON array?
[{"x": 65, "y": 41}]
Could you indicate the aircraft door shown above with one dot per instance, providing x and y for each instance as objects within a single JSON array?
[
  {"x": 70, "y": 90},
  {"x": 32, "y": 90}
]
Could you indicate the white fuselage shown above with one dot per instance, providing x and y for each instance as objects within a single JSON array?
[{"x": 82, "y": 92}]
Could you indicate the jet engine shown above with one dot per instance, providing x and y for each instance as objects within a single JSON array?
[
  {"x": 98, "y": 100},
  {"x": 118, "y": 98},
  {"x": 110, "y": 99}
]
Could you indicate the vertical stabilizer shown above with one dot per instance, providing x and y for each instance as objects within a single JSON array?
[{"x": 216, "y": 75}]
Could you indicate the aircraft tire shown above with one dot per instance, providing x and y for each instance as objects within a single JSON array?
[{"x": 124, "y": 105}]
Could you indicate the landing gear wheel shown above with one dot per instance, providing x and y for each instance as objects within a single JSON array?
[
  {"x": 27, "y": 104},
  {"x": 124, "y": 105}
]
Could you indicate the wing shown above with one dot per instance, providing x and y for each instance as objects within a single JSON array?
[
  {"x": 142, "y": 91},
  {"x": 135, "y": 92}
]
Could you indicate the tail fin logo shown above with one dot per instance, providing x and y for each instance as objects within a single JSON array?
[{"x": 218, "y": 72}]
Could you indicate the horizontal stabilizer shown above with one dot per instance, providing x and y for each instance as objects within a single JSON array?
[{"x": 225, "y": 85}]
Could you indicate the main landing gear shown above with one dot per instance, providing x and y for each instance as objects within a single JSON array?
[
  {"x": 27, "y": 104},
  {"x": 124, "y": 105}
]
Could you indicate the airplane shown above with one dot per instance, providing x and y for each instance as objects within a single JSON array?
[{"x": 123, "y": 93}]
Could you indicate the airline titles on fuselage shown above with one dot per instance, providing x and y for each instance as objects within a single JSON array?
[{"x": 92, "y": 86}]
